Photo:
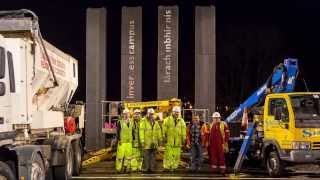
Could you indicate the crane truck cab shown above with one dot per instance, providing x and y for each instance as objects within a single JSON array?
[{"x": 291, "y": 125}]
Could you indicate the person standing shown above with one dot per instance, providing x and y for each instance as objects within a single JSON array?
[
  {"x": 124, "y": 139},
  {"x": 136, "y": 163},
  {"x": 174, "y": 132},
  {"x": 219, "y": 137},
  {"x": 150, "y": 138},
  {"x": 194, "y": 142}
]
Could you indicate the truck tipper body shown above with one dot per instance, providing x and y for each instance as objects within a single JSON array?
[{"x": 39, "y": 130}]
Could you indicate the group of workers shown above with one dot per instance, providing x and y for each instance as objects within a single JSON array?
[{"x": 139, "y": 138}]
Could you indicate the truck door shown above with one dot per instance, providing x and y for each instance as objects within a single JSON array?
[
  {"x": 5, "y": 101},
  {"x": 277, "y": 121}
]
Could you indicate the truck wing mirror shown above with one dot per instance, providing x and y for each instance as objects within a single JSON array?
[{"x": 2, "y": 89}]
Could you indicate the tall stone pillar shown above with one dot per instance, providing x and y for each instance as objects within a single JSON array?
[
  {"x": 168, "y": 25},
  {"x": 95, "y": 76},
  {"x": 131, "y": 54},
  {"x": 205, "y": 58}
]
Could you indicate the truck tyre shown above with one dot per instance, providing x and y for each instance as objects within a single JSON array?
[
  {"x": 77, "y": 158},
  {"x": 274, "y": 164},
  {"x": 65, "y": 172},
  {"x": 6, "y": 172},
  {"x": 38, "y": 170}
]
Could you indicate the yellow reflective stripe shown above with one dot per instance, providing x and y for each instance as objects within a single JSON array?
[{"x": 222, "y": 130}]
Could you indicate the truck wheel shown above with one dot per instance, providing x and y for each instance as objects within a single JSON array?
[
  {"x": 37, "y": 170},
  {"x": 6, "y": 172},
  {"x": 274, "y": 164},
  {"x": 77, "y": 158},
  {"x": 65, "y": 172}
]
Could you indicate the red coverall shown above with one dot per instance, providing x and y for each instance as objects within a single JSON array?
[{"x": 219, "y": 137}]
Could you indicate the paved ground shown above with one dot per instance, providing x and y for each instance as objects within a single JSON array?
[{"x": 105, "y": 170}]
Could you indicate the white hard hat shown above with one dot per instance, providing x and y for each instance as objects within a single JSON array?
[
  {"x": 176, "y": 109},
  {"x": 137, "y": 111},
  {"x": 216, "y": 115},
  {"x": 125, "y": 111},
  {"x": 150, "y": 110}
]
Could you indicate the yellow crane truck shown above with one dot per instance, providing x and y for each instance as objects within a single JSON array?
[{"x": 285, "y": 126}]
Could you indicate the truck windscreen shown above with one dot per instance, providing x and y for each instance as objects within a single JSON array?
[{"x": 306, "y": 110}]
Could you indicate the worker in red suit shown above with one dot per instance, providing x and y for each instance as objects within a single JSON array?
[{"x": 218, "y": 143}]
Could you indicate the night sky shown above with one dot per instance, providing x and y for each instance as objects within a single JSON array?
[{"x": 252, "y": 37}]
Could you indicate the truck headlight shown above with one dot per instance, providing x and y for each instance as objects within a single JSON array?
[
  {"x": 295, "y": 145},
  {"x": 301, "y": 145}
]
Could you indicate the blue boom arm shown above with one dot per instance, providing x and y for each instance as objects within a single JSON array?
[{"x": 281, "y": 80}]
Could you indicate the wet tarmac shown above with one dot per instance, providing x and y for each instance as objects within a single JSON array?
[{"x": 105, "y": 170}]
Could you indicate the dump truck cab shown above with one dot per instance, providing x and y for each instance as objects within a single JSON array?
[{"x": 291, "y": 126}]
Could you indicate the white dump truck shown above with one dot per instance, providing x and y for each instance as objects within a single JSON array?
[{"x": 40, "y": 131}]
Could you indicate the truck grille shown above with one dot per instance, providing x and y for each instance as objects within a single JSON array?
[{"x": 316, "y": 145}]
